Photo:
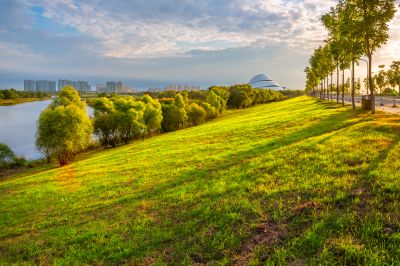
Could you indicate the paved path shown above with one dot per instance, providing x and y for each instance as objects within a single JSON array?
[{"x": 386, "y": 101}]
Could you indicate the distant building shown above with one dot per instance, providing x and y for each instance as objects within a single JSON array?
[
  {"x": 81, "y": 86},
  {"x": 261, "y": 81},
  {"x": 62, "y": 83},
  {"x": 172, "y": 87},
  {"x": 45, "y": 85},
  {"x": 101, "y": 88},
  {"x": 29, "y": 85},
  {"x": 113, "y": 87},
  {"x": 127, "y": 89}
]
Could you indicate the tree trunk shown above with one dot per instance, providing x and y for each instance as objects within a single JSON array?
[
  {"x": 337, "y": 84},
  {"x": 328, "y": 93},
  {"x": 343, "y": 87},
  {"x": 331, "y": 86},
  {"x": 320, "y": 91},
  {"x": 371, "y": 83},
  {"x": 352, "y": 86}
]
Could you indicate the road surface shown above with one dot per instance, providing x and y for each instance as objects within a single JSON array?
[{"x": 384, "y": 103}]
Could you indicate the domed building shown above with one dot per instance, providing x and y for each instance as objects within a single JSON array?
[{"x": 263, "y": 82}]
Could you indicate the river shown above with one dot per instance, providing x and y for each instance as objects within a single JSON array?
[{"x": 18, "y": 127}]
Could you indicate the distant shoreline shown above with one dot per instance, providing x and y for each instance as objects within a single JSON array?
[{"x": 9, "y": 102}]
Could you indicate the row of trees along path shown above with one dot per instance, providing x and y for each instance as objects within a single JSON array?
[{"x": 356, "y": 28}]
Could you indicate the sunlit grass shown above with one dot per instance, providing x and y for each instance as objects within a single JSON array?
[{"x": 297, "y": 181}]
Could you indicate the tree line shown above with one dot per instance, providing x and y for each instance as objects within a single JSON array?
[
  {"x": 65, "y": 129},
  {"x": 10, "y": 94},
  {"x": 356, "y": 29}
]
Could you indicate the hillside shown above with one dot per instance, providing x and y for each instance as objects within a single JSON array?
[{"x": 298, "y": 181}]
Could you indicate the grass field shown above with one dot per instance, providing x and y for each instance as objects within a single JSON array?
[
  {"x": 294, "y": 182},
  {"x": 20, "y": 100}
]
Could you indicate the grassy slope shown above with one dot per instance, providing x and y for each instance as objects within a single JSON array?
[{"x": 295, "y": 181}]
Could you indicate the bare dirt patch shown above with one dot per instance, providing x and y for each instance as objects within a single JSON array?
[{"x": 268, "y": 234}]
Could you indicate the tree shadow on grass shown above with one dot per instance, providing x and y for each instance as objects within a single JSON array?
[{"x": 330, "y": 124}]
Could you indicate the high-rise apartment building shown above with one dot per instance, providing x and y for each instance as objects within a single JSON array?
[
  {"x": 45, "y": 85},
  {"x": 29, "y": 85},
  {"x": 100, "y": 88},
  {"x": 113, "y": 87},
  {"x": 81, "y": 86}
]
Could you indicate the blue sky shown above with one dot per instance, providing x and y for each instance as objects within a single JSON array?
[{"x": 154, "y": 42}]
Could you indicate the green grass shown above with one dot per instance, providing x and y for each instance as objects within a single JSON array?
[
  {"x": 20, "y": 100},
  {"x": 299, "y": 181}
]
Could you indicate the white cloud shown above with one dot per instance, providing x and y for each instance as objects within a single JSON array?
[{"x": 244, "y": 23}]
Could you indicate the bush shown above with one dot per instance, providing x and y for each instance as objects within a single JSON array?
[
  {"x": 7, "y": 156},
  {"x": 152, "y": 114},
  {"x": 211, "y": 112},
  {"x": 8, "y": 159},
  {"x": 240, "y": 96},
  {"x": 292, "y": 93},
  {"x": 19, "y": 161},
  {"x": 196, "y": 114},
  {"x": 216, "y": 101}
]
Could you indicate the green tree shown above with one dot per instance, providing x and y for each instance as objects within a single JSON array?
[
  {"x": 68, "y": 95},
  {"x": 240, "y": 96},
  {"x": 371, "y": 26},
  {"x": 196, "y": 114},
  {"x": 181, "y": 111},
  {"x": 381, "y": 80},
  {"x": 171, "y": 117},
  {"x": 152, "y": 114},
  {"x": 394, "y": 74},
  {"x": 216, "y": 101},
  {"x": 211, "y": 111},
  {"x": 64, "y": 128}
]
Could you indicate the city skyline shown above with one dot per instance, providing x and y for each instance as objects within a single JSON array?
[{"x": 156, "y": 43}]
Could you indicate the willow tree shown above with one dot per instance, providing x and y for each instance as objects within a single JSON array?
[
  {"x": 64, "y": 128},
  {"x": 372, "y": 18}
]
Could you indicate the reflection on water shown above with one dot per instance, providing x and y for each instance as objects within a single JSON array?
[{"x": 18, "y": 127}]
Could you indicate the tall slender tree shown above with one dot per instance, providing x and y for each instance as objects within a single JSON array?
[{"x": 371, "y": 19}]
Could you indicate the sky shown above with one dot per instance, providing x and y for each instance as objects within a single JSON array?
[{"x": 151, "y": 43}]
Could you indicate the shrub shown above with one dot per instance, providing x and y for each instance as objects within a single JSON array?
[
  {"x": 211, "y": 112},
  {"x": 171, "y": 117},
  {"x": 18, "y": 162},
  {"x": 240, "y": 96},
  {"x": 7, "y": 156},
  {"x": 196, "y": 114},
  {"x": 216, "y": 101}
]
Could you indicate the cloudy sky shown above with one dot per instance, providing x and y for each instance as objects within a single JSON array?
[{"x": 154, "y": 42}]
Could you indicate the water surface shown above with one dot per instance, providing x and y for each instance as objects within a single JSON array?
[{"x": 18, "y": 127}]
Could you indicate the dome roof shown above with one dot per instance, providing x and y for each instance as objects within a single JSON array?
[{"x": 261, "y": 81}]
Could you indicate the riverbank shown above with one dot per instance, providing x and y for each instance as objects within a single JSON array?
[{"x": 9, "y": 102}]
